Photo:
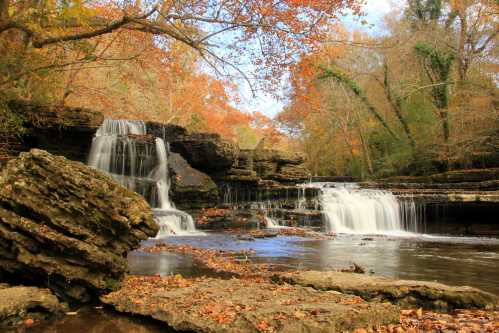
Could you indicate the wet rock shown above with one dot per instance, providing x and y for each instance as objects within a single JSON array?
[
  {"x": 66, "y": 226},
  {"x": 27, "y": 303},
  {"x": 236, "y": 305},
  {"x": 448, "y": 196},
  {"x": 482, "y": 186},
  {"x": 332, "y": 179},
  {"x": 283, "y": 166},
  {"x": 455, "y": 176},
  {"x": 206, "y": 152},
  {"x": 263, "y": 234},
  {"x": 429, "y": 295},
  {"x": 241, "y": 176},
  {"x": 292, "y": 174},
  {"x": 246, "y": 238},
  {"x": 58, "y": 129},
  {"x": 190, "y": 188},
  {"x": 213, "y": 218},
  {"x": 168, "y": 132},
  {"x": 244, "y": 159}
]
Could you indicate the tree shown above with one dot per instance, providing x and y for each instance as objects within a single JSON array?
[
  {"x": 399, "y": 103},
  {"x": 438, "y": 65},
  {"x": 478, "y": 29},
  {"x": 352, "y": 86},
  {"x": 271, "y": 33}
]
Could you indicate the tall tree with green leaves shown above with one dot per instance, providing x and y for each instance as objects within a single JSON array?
[{"x": 438, "y": 66}]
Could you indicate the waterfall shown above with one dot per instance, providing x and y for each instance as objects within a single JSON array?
[
  {"x": 350, "y": 209},
  {"x": 171, "y": 220},
  {"x": 121, "y": 149},
  {"x": 272, "y": 224}
]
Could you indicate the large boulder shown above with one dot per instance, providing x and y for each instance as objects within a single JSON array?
[
  {"x": 206, "y": 152},
  {"x": 66, "y": 226},
  {"x": 190, "y": 188}
]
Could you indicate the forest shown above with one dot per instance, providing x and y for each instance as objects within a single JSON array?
[{"x": 417, "y": 97}]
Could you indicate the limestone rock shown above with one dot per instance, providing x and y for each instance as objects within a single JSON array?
[
  {"x": 168, "y": 132},
  {"x": 455, "y": 176},
  {"x": 206, "y": 152},
  {"x": 292, "y": 174},
  {"x": 242, "y": 306},
  {"x": 20, "y": 303},
  {"x": 283, "y": 166},
  {"x": 66, "y": 226},
  {"x": 58, "y": 129},
  {"x": 429, "y": 295},
  {"x": 191, "y": 188}
]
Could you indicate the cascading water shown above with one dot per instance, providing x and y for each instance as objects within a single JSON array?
[
  {"x": 269, "y": 208},
  {"x": 349, "y": 209},
  {"x": 120, "y": 149},
  {"x": 170, "y": 220}
]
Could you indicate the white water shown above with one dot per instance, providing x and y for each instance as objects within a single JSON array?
[
  {"x": 171, "y": 220},
  {"x": 273, "y": 224},
  {"x": 349, "y": 209},
  {"x": 116, "y": 153}
]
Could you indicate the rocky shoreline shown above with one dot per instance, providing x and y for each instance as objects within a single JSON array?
[{"x": 66, "y": 229}]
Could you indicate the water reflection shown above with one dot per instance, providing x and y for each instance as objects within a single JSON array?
[
  {"x": 451, "y": 260},
  {"x": 90, "y": 320}
]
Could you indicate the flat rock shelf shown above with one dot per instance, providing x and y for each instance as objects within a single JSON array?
[{"x": 241, "y": 305}]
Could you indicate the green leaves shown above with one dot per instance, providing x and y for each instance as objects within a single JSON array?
[
  {"x": 440, "y": 66},
  {"x": 441, "y": 61}
]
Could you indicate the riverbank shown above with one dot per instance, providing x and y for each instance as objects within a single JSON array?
[{"x": 212, "y": 264}]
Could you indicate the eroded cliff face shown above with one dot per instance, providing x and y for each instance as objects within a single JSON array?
[
  {"x": 66, "y": 226},
  {"x": 201, "y": 163},
  {"x": 60, "y": 130}
]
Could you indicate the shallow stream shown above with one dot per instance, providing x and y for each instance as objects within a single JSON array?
[{"x": 451, "y": 260}]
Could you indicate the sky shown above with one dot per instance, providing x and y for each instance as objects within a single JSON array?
[{"x": 375, "y": 11}]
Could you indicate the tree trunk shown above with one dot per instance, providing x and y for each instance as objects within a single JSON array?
[
  {"x": 329, "y": 73},
  {"x": 463, "y": 60},
  {"x": 397, "y": 107},
  {"x": 444, "y": 115},
  {"x": 365, "y": 148}
]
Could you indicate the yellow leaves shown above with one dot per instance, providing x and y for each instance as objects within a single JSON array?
[
  {"x": 299, "y": 315},
  {"x": 419, "y": 313}
]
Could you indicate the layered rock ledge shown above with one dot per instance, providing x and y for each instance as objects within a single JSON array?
[
  {"x": 66, "y": 226},
  {"x": 61, "y": 130},
  {"x": 237, "y": 305},
  {"x": 406, "y": 293}
]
